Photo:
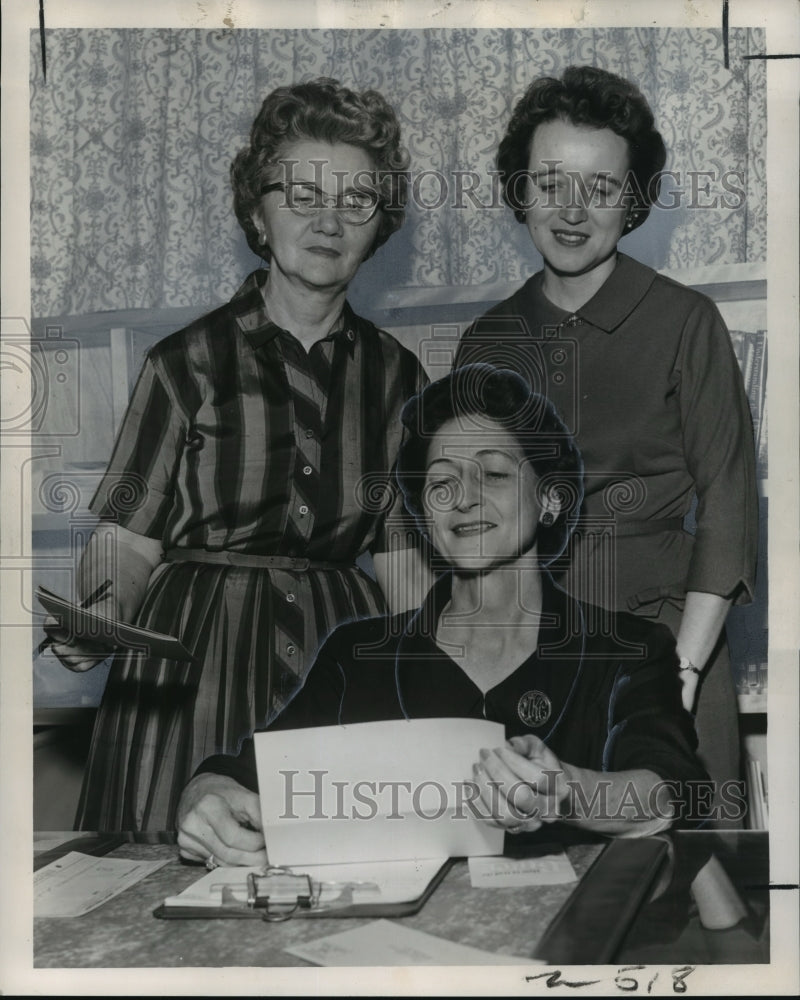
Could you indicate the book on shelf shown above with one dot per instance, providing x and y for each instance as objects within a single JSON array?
[
  {"x": 750, "y": 678},
  {"x": 756, "y": 795},
  {"x": 750, "y": 349}
]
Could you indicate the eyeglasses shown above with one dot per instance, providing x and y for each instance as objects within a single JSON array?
[{"x": 353, "y": 207}]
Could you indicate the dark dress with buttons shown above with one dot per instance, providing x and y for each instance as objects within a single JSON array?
[
  {"x": 608, "y": 683},
  {"x": 238, "y": 444}
]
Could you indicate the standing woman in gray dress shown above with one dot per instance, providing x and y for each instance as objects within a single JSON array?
[
  {"x": 254, "y": 465},
  {"x": 642, "y": 370}
]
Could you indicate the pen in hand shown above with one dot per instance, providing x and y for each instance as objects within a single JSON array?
[{"x": 93, "y": 598}]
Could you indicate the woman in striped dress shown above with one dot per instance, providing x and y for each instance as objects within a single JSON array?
[{"x": 254, "y": 466}]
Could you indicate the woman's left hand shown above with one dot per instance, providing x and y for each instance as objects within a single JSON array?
[{"x": 522, "y": 784}]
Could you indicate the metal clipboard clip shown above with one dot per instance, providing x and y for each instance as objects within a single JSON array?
[{"x": 280, "y": 893}]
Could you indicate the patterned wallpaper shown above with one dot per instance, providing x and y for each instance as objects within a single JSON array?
[{"x": 134, "y": 130}]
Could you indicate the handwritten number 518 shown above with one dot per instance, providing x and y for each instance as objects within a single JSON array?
[
  {"x": 629, "y": 984},
  {"x": 625, "y": 983}
]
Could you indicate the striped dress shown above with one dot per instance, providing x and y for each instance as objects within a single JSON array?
[{"x": 237, "y": 440}]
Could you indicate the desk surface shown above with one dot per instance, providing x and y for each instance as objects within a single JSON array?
[{"x": 124, "y": 932}]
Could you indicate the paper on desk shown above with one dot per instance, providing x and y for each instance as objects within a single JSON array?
[
  {"x": 551, "y": 866},
  {"x": 77, "y": 883},
  {"x": 381, "y": 882},
  {"x": 384, "y": 942},
  {"x": 374, "y": 791}
]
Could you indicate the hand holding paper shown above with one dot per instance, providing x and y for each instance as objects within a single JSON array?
[
  {"x": 91, "y": 632},
  {"x": 218, "y": 818},
  {"x": 75, "y": 653},
  {"x": 522, "y": 782}
]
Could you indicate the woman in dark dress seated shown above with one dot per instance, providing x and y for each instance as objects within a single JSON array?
[{"x": 495, "y": 482}]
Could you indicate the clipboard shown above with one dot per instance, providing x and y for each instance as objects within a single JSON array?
[
  {"x": 109, "y": 632},
  {"x": 278, "y": 894}
]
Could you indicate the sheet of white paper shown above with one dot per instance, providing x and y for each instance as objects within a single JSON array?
[
  {"x": 78, "y": 883},
  {"x": 375, "y": 791},
  {"x": 384, "y": 942},
  {"x": 550, "y": 868},
  {"x": 372, "y": 882}
]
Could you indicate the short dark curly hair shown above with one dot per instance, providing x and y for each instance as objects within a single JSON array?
[
  {"x": 503, "y": 396},
  {"x": 322, "y": 110},
  {"x": 586, "y": 95}
]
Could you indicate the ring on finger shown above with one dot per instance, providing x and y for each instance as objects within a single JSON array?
[{"x": 211, "y": 863}]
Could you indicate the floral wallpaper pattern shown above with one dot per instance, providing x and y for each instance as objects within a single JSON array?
[{"x": 134, "y": 130}]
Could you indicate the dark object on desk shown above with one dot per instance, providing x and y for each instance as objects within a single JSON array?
[
  {"x": 594, "y": 920},
  {"x": 95, "y": 846},
  {"x": 98, "y": 845},
  {"x": 672, "y": 923}
]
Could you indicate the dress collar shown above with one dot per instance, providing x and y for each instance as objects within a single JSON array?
[
  {"x": 425, "y": 676},
  {"x": 562, "y": 625},
  {"x": 250, "y": 313},
  {"x": 611, "y": 305}
]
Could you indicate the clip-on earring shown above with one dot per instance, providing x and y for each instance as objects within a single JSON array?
[{"x": 262, "y": 241}]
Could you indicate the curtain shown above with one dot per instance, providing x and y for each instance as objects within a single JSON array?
[{"x": 133, "y": 133}]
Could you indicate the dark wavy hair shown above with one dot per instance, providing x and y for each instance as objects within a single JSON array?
[
  {"x": 324, "y": 111},
  {"x": 586, "y": 95},
  {"x": 481, "y": 391}
]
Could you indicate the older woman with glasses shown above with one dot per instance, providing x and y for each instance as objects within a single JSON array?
[{"x": 261, "y": 440}]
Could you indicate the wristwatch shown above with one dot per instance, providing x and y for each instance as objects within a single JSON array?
[{"x": 686, "y": 664}]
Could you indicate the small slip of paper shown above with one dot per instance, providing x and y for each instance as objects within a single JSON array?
[
  {"x": 77, "y": 883},
  {"x": 384, "y": 942},
  {"x": 550, "y": 867}
]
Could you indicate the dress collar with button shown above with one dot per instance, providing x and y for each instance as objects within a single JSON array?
[
  {"x": 250, "y": 314},
  {"x": 611, "y": 305}
]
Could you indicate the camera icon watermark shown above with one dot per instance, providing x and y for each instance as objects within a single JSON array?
[
  {"x": 41, "y": 377},
  {"x": 548, "y": 360}
]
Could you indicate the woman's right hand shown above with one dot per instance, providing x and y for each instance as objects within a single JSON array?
[
  {"x": 134, "y": 559},
  {"x": 79, "y": 654},
  {"x": 219, "y": 818}
]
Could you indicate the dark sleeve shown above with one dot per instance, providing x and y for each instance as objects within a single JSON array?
[
  {"x": 317, "y": 703},
  {"x": 720, "y": 456},
  {"x": 136, "y": 490},
  {"x": 648, "y": 727}
]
